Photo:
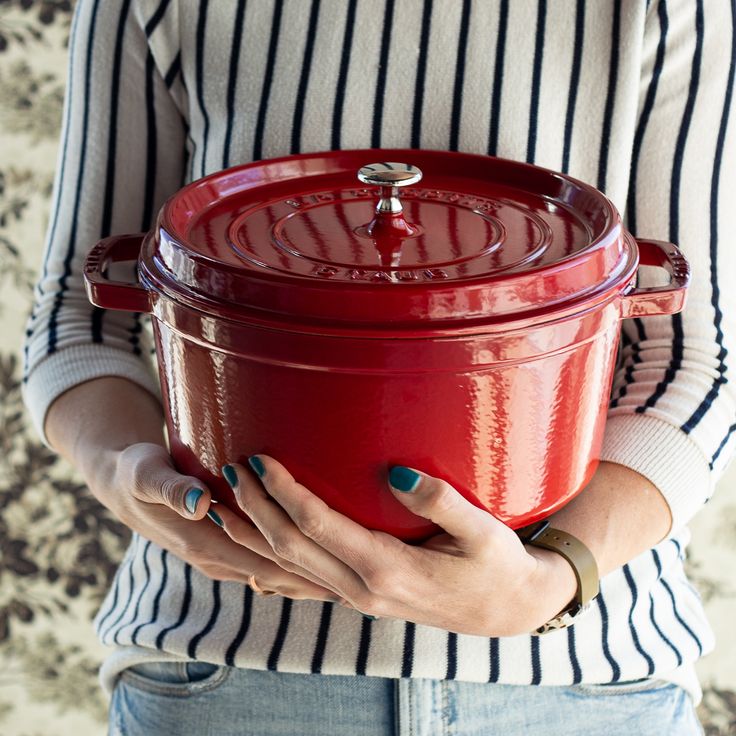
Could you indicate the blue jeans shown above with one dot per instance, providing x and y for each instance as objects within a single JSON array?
[{"x": 173, "y": 698}]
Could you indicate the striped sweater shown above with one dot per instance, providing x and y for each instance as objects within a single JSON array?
[{"x": 634, "y": 97}]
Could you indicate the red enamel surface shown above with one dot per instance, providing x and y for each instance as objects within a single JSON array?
[
  {"x": 515, "y": 431},
  {"x": 479, "y": 347}
]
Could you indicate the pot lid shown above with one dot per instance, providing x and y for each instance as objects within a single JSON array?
[{"x": 388, "y": 237}]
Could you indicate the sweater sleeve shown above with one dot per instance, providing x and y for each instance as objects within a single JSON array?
[
  {"x": 122, "y": 153},
  {"x": 673, "y": 409}
]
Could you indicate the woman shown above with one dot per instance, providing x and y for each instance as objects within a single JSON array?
[{"x": 634, "y": 98}]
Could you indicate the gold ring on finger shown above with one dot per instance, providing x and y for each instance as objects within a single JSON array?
[{"x": 257, "y": 589}]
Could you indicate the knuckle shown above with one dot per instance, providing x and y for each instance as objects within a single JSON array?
[
  {"x": 368, "y": 602},
  {"x": 284, "y": 546},
  {"x": 311, "y": 525},
  {"x": 170, "y": 492},
  {"x": 134, "y": 465},
  {"x": 242, "y": 500},
  {"x": 139, "y": 480},
  {"x": 444, "y": 498},
  {"x": 288, "y": 566},
  {"x": 381, "y": 581},
  {"x": 243, "y": 535}
]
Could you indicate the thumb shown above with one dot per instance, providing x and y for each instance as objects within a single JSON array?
[
  {"x": 435, "y": 499},
  {"x": 156, "y": 481}
]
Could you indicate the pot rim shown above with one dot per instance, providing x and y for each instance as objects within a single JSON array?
[
  {"x": 448, "y": 330},
  {"x": 512, "y": 289}
]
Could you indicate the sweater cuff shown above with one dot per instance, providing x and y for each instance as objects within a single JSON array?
[
  {"x": 663, "y": 454},
  {"x": 78, "y": 364}
]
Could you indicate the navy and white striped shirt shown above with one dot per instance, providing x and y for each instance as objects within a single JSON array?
[{"x": 634, "y": 97}]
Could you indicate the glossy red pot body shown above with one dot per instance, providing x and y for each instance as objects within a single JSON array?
[{"x": 508, "y": 404}]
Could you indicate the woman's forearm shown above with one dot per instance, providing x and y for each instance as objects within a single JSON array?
[
  {"x": 97, "y": 418},
  {"x": 619, "y": 515}
]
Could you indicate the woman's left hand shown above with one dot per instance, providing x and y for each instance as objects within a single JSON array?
[{"x": 475, "y": 578}]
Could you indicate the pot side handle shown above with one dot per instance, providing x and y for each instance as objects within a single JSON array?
[
  {"x": 120, "y": 295},
  {"x": 654, "y": 300}
]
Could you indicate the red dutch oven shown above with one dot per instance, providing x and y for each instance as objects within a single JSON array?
[{"x": 343, "y": 316}]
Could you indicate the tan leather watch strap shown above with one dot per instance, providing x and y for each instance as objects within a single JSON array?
[
  {"x": 577, "y": 554},
  {"x": 541, "y": 534}
]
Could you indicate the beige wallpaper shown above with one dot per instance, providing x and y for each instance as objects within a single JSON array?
[{"x": 58, "y": 548}]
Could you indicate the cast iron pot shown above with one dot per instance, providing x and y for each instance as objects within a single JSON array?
[{"x": 327, "y": 311}]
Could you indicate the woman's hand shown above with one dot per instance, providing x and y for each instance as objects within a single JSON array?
[
  {"x": 110, "y": 429},
  {"x": 141, "y": 487},
  {"x": 476, "y": 578}
]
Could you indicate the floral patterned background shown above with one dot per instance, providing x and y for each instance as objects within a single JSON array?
[{"x": 58, "y": 547}]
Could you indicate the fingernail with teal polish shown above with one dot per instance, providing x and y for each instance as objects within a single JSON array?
[
  {"x": 230, "y": 475},
  {"x": 191, "y": 499},
  {"x": 215, "y": 517},
  {"x": 403, "y": 479},
  {"x": 257, "y": 464},
  {"x": 372, "y": 618}
]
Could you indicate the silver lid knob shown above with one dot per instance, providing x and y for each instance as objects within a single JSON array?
[{"x": 389, "y": 175}]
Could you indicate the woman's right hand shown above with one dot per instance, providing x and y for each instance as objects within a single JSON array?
[
  {"x": 141, "y": 487},
  {"x": 111, "y": 430}
]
